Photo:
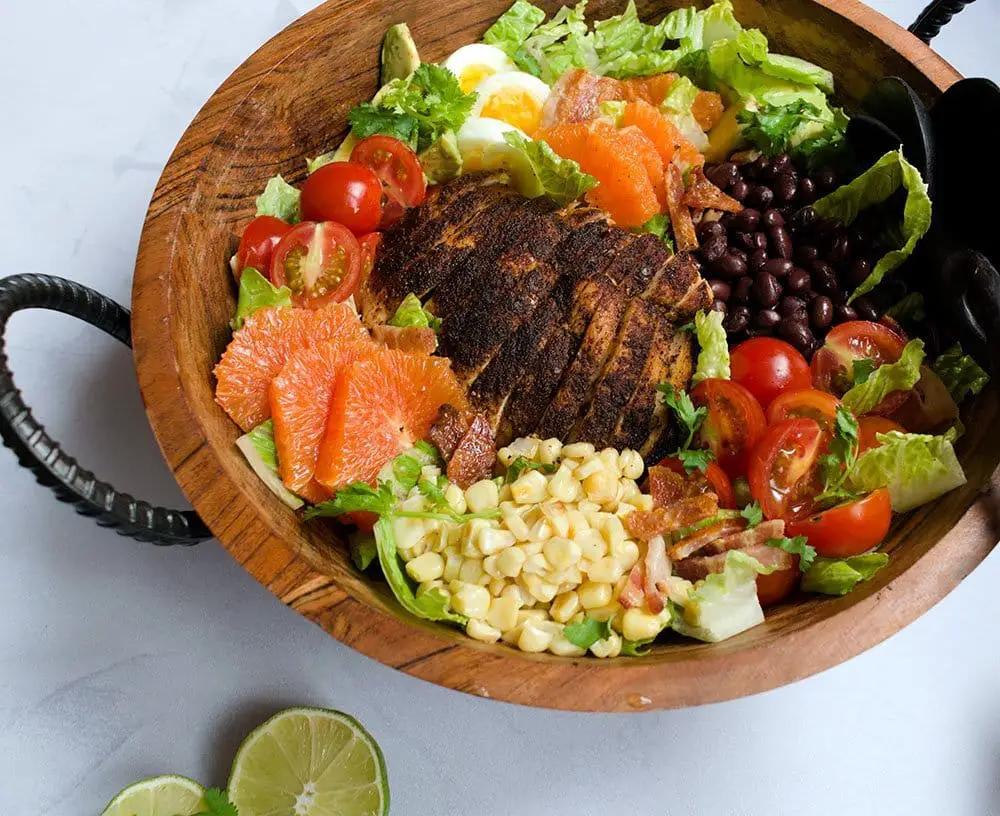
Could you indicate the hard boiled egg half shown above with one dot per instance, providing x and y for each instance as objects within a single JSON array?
[
  {"x": 483, "y": 147},
  {"x": 514, "y": 97},
  {"x": 474, "y": 63}
]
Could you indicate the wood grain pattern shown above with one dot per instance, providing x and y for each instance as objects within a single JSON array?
[{"x": 289, "y": 101}]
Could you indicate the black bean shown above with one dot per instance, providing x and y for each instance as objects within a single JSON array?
[
  {"x": 714, "y": 248},
  {"x": 723, "y": 175},
  {"x": 840, "y": 296},
  {"x": 779, "y": 267},
  {"x": 739, "y": 190},
  {"x": 760, "y": 240},
  {"x": 741, "y": 291},
  {"x": 791, "y": 305},
  {"x": 785, "y": 187},
  {"x": 757, "y": 259},
  {"x": 746, "y": 220},
  {"x": 804, "y": 219},
  {"x": 821, "y": 312},
  {"x": 805, "y": 254},
  {"x": 757, "y": 331},
  {"x": 807, "y": 191},
  {"x": 826, "y": 179},
  {"x": 731, "y": 265},
  {"x": 782, "y": 164},
  {"x": 720, "y": 289},
  {"x": 761, "y": 196},
  {"x": 706, "y": 229},
  {"x": 737, "y": 319},
  {"x": 773, "y": 218},
  {"x": 739, "y": 253},
  {"x": 743, "y": 239},
  {"x": 858, "y": 270},
  {"x": 767, "y": 319},
  {"x": 781, "y": 242},
  {"x": 865, "y": 308},
  {"x": 718, "y": 306},
  {"x": 766, "y": 290},
  {"x": 839, "y": 250},
  {"x": 754, "y": 169},
  {"x": 824, "y": 277},
  {"x": 860, "y": 239},
  {"x": 795, "y": 330},
  {"x": 798, "y": 281},
  {"x": 843, "y": 313}
]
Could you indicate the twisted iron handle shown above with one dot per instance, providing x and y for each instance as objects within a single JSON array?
[
  {"x": 935, "y": 17},
  {"x": 42, "y": 455}
]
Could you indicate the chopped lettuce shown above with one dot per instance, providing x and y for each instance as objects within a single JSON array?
[
  {"x": 259, "y": 449},
  {"x": 713, "y": 359},
  {"x": 917, "y": 468},
  {"x": 364, "y": 550},
  {"x": 798, "y": 128},
  {"x": 412, "y": 313},
  {"x": 677, "y": 107},
  {"x": 960, "y": 374},
  {"x": 899, "y": 376},
  {"x": 281, "y": 200},
  {"x": 587, "y": 632},
  {"x": 514, "y": 26},
  {"x": 256, "y": 292},
  {"x": 658, "y": 225},
  {"x": 560, "y": 179},
  {"x": 830, "y": 576},
  {"x": 561, "y": 43},
  {"x": 873, "y": 187},
  {"x": 798, "y": 70},
  {"x": 724, "y": 604}
]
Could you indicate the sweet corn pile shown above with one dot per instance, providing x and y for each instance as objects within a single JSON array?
[{"x": 559, "y": 551}]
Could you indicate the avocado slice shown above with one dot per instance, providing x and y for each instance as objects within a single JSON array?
[
  {"x": 442, "y": 161},
  {"x": 726, "y": 137},
  {"x": 399, "y": 53}
]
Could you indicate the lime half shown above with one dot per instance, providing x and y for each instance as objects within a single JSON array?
[
  {"x": 310, "y": 762},
  {"x": 160, "y": 796}
]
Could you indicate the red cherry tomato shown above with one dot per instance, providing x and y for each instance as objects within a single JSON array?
[
  {"x": 869, "y": 426},
  {"x": 767, "y": 367},
  {"x": 345, "y": 192},
  {"x": 734, "y": 423},
  {"x": 808, "y": 403},
  {"x": 369, "y": 245},
  {"x": 833, "y": 365},
  {"x": 715, "y": 477},
  {"x": 849, "y": 529},
  {"x": 776, "y": 586},
  {"x": 320, "y": 263},
  {"x": 257, "y": 244},
  {"x": 928, "y": 408},
  {"x": 782, "y": 473},
  {"x": 399, "y": 170}
]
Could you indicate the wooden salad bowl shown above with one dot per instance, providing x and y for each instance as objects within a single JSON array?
[{"x": 290, "y": 101}]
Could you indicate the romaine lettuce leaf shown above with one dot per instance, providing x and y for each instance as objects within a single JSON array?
[
  {"x": 561, "y": 179},
  {"x": 872, "y": 187},
  {"x": 713, "y": 359},
  {"x": 587, "y": 632},
  {"x": 257, "y": 292},
  {"x": 677, "y": 107},
  {"x": 561, "y": 43},
  {"x": 412, "y": 313},
  {"x": 259, "y": 449},
  {"x": 917, "y": 468},
  {"x": 281, "y": 200},
  {"x": 364, "y": 550},
  {"x": 960, "y": 374},
  {"x": 514, "y": 26},
  {"x": 783, "y": 66},
  {"x": 899, "y": 376},
  {"x": 829, "y": 576},
  {"x": 658, "y": 225}
]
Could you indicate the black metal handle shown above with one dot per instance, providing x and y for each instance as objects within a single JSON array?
[
  {"x": 43, "y": 456},
  {"x": 935, "y": 17}
]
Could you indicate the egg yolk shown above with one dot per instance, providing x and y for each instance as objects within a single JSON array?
[
  {"x": 516, "y": 107},
  {"x": 472, "y": 75}
]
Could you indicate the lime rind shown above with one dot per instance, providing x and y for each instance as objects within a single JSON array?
[{"x": 166, "y": 795}]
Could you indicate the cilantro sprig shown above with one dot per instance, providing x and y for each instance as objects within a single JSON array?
[
  {"x": 519, "y": 465},
  {"x": 218, "y": 803},
  {"x": 691, "y": 419},
  {"x": 835, "y": 465},
  {"x": 753, "y": 514},
  {"x": 587, "y": 632},
  {"x": 799, "y": 545}
]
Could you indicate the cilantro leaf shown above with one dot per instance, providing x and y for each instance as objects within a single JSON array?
[
  {"x": 359, "y": 496},
  {"x": 695, "y": 459},
  {"x": 771, "y": 127},
  {"x": 636, "y": 648},
  {"x": 862, "y": 370},
  {"x": 753, "y": 514},
  {"x": 519, "y": 465},
  {"x": 835, "y": 465},
  {"x": 431, "y": 98},
  {"x": 796, "y": 546},
  {"x": 587, "y": 632},
  {"x": 689, "y": 416},
  {"x": 218, "y": 804},
  {"x": 368, "y": 119},
  {"x": 434, "y": 493},
  {"x": 831, "y": 576},
  {"x": 406, "y": 471}
]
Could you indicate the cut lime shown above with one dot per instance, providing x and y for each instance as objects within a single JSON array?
[
  {"x": 310, "y": 762},
  {"x": 167, "y": 795}
]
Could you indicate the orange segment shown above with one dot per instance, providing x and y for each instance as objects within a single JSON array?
[
  {"x": 651, "y": 89},
  {"x": 662, "y": 133},
  {"x": 381, "y": 405},
  {"x": 300, "y": 403},
  {"x": 260, "y": 349},
  {"x": 707, "y": 109}
]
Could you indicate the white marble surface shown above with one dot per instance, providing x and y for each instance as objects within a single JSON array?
[{"x": 119, "y": 661}]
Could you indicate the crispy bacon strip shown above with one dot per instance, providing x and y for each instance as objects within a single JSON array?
[
  {"x": 666, "y": 487},
  {"x": 419, "y": 339},
  {"x": 645, "y": 525},
  {"x": 706, "y": 535},
  {"x": 577, "y": 97},
  {"x": 702, "y": 194},
  {"x": 475, "y": 454},
  {"x": 680, "y": 216},
  {"x": 633, "y": 592},
  {"x": 745, "y": 539},
  {"x": 448, "y": 429},
  {"x": 701, "y": 566},
  {"x": 657, "y": 572}
]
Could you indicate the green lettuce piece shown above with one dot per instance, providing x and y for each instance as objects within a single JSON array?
[
  {"x": 718, "y": 24},
  {"x": 432, "y": 605},
  {"x": 514, "y": 26},
  {"x": 636, "y": 648},
  {"x": 261, "y": 454},
  {"x": 587, "y": 632},
  {"x": 281, "y": 200},
  {"x": 783, "y": 66},
  {"x": 677, "y": 105},
  {"x": 614, "y": 111},
  {"x": 908, "y": 310},
  {"x": 684, "y": 24},
  {"x": 659, "y": 225},
  {"x": 960, "y": 374},
  {"x": 872, "y": 187},
  {"x": 713, "y": 359},
  {"x": 917, "y": 468},
  {"x": 724, "y": 604},
  {"x": 561, "y": 43},
  {"x": 899, "y": 376},
  {"x": 364, "y": 550},
  {"x": 257, "y": 292},
  {"x": 561, "y": 179},
  {"x": 829, "y": 576},
  {"x": 412, "y": 313}
]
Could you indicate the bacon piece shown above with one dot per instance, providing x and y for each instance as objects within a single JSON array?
[
  {"x": 703, "y": 195},
  {"x": 666, "y": 487},
  {"x": 701, "y": 566},
  {"x": 746, "y": 539},
  {"x": 680, "y": 216},
  {"x": 419, "y": 339},
  {"x": 657, "y": 569},
  {"x": 694, "y": 543},
  {"x": 475, "y": 454},
  {"x": 646, "y": 525},
  {"x": 577, "y": 97},
  {"x": 632, "y": 593},
  {"x": 448, "y": 429}
]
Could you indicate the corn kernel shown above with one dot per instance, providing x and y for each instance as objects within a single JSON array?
[
  {"x": 565, "y": 606},
  {"x": 611, "y": 646},
  {"x": 481, "y": 630},
  {"x": 530, "y": 548},
  {"x": 592, "y": 544},
  {"x": 452, "y": 565},
  {"x": 455, "y": 497},
  {"x": 505, "y": 494},
  {"x": 482, "y": 496},
  {"x": 408, "y": 532},
  {"x": 607, "y": 612},
  {"x": 577, "y": 450},
  {"x": 430, "y": 473},
  {"x": 640, "y": 625},
  {"x": 605, "y": 570},
  {"x": 533, "y": 638},
  {"x": 549, "y": 450},
  {"x": 426, "y": 567},
  {"x": 611, "y": 460},
  {"x": 470, "y": 537},
  {"x": 471, "y": 571},
  {"x": 573, "y": 575},
  {"x": 631, "y": 464},
  {"x": 564, "y": 486},
  {"x": 526, "y": 446},
  {"x": 492, "y": 541},
  {"x": 470, "y": 600},
  {"x": 587, "y": 507},
  {"x": 555, "y": 512},
  {"x": 613, "y": 531},
  {"x": 502, "y": 614},
  {"x": 577, "y": 522},
  {"x": 534, "y": 615},
  {"x": 627, "y": 555},
  {"x": 642, "y": 502},
  {"x": 563, "y": 648},
  {"x": 541, "y": 531},
  {"x": 561, "y": 553},
  {"x": 505, "y": 456},
  {"x": 496, "y": 587},
  {"x": 531, "y": 487},
  {"x": 540, "y": 590},
  {"x": 490, "y": 566},
  {"x": 511, "y": 636},
  {"x": 427, "y": 586},
  {"x": 517, "y": 526},
  {"x": 593, "y": 594},
  {"x": 624, "y": 509},
  {"x": 601, "y": 486},
  {"x": 510, "y": 561},
  {"x": 589, "y": 467}
]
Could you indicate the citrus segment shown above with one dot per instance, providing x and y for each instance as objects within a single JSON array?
[
  {"x": 381, "y": 406},
  {"x": 663, "y": 133},
  {"x": 261, "y": 347},
  {"x": 651, "y": 89},
  {"x": 310, "y": 762},
  {"x": 167, "y": 795},
  {"x": 707, "y": 109}
]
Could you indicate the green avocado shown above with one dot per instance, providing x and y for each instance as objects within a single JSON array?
[
  {"x": 399, "y": 54},
  {"x": 442, "y": 161}
]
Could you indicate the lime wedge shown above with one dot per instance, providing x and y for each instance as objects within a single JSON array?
[
  {"x": 167, "y": 795},
  {"x": 310, "y": 762}
]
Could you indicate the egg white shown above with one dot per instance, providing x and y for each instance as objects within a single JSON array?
[
  {"x": 472, "y": 64},
  {"x": 515, "y": 97},
  {"x": 483, "y": 147}
]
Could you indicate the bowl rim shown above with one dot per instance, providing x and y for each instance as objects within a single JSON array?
[{"x": 368, "y": 622}]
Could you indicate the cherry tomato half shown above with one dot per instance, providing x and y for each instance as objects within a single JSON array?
[
  {"x": 320, "y": 263},
  {"x": 715, "y": 477},
  {"x": 848, "y": 529},
  {"x": 734, "y": 423},
  {"x": 345, "y": 192},
  {"x": 257, "y": 244},
  {"x": 782, "y": 473},
  {"x": 869, "y": 426},
  {"x": 833, "y": 365},
  {"x": 767, "y": 367},
  {"x": 369, "y": 245},
  {"x": 808, "y": 403},
  {"x": 776, "y": 586},
  {"x": 928, "y": 408},
  {"x": 398, "y": 167}
]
